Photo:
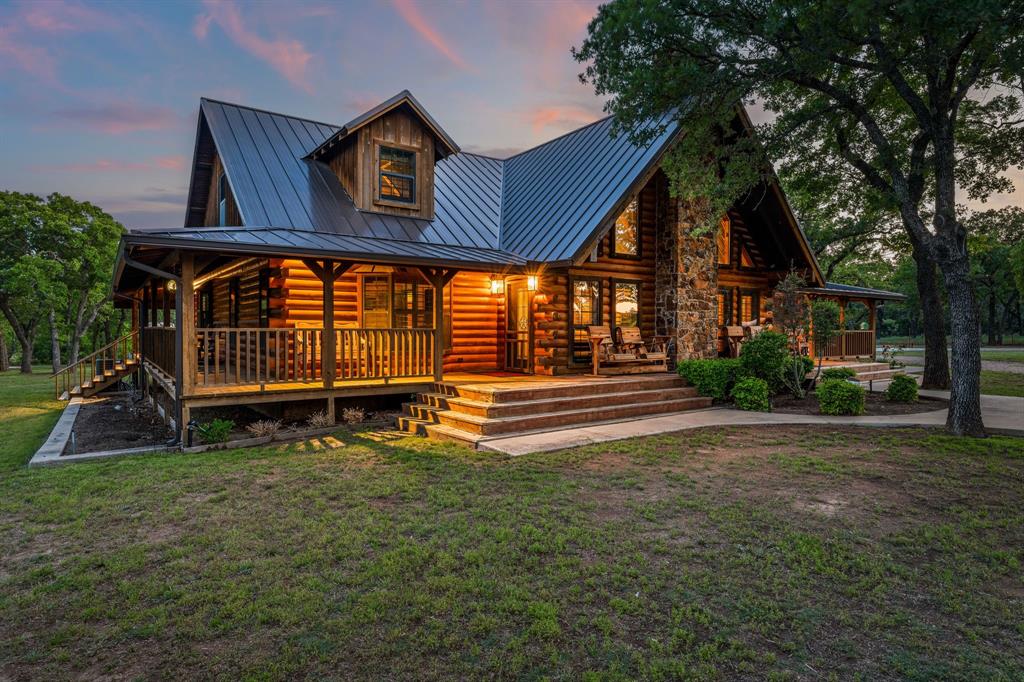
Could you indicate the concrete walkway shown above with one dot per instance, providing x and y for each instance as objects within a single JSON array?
[
  {"x": 993, "y": 365},
  {"x": 1003, "y": 415}
]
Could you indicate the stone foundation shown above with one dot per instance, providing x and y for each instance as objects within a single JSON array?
[{"x": 686, "y": 285}]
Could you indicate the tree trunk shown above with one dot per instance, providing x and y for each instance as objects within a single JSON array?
[
  {"x": 54, "y": 342},
  {"x": 964, "y": 417},
  {"x": 936, "y": 359},
  {"x": 992, "y": 316},
  {"x": 5, "y": 355}
]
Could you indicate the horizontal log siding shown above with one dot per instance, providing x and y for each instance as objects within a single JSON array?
[{"x": 478, "y": 323}]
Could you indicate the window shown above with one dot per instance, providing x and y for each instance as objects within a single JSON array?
[
  {"x": 206, "y": 306},
  {"x": 234, "y": 302},
  {"x": 412, "y": 304},
  {"x": 749, "y": 306},
  {"x": 376, "y": 314},
  {"x": 222, "y": 200},
  {"x": 627, "y": 304},
  {"x": 745, "y": 260},
  {"x": 723, "y": 240},
  {"x": 626, "y": 237},
  {"x": 397, "y": 175},
  {"x": 398, "y": 300},
  {"x": 586, "y": 311},
  {"x": 724, "y": 307},
  {"x": 264, "y": 293}
]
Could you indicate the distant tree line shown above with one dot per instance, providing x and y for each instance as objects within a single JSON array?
[{"x": 55, "y": 280}]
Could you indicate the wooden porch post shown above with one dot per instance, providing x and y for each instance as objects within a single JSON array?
[
  {"x": 185, "y": 342},
  {"x": 328, "y": 272},
  {"x": 167, "y": 306},
  {"x": 438, "y": 278},
  {"x": 152, "y": 302},
  {"x": 871, "y": 324},
  {"x": 842, "y": 328}
]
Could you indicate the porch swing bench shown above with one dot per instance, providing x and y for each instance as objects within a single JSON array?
[{"x": 626, "y": 354}]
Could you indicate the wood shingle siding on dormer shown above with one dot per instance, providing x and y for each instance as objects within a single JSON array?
[{"x": 356, "y": 164}]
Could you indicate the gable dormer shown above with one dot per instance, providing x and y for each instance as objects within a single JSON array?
[{"x": 385, "y": 158}]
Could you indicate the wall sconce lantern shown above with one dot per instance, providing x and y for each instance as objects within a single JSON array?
[
  {"x": 172, "y": 285},
  {"x": 497, "y": 285},
  {"x": 531, "y": 283}
]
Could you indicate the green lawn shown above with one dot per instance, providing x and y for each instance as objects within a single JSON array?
[
  {"x": 27, "y": 414},
  {"x": 998, "y": 355},
  {"x": 791, "y": 553},
  {"x": 1002, "y": 383}
]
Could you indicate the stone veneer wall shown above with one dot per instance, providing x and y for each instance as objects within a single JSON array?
[{"x": 686, "y": 285}]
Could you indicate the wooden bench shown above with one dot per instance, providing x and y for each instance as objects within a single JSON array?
[
  {"x": 626, "y": 357},
  {"x": 734, "y": 337},
  {"x": 654, "y": 353}
]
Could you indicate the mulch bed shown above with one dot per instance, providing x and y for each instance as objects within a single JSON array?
[
  {"x": 875, "y": 405},
  {"x": 115, "y": 423}
]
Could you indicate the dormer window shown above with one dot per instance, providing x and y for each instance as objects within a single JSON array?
[{"x": 397, "y": 175}]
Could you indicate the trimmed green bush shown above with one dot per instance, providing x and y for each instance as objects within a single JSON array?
[
  {"x": 902, "y": 389},
  {"x": 711, "y": 378},
  {"x": 751, "y": 394},
  {"x": 808, "y": 363},
  {"x": 842, "y": 373},
  {"x": 216, "y": 431},
  {"x": 766, "y": 356},
  {"x": 837, "y": 396}
]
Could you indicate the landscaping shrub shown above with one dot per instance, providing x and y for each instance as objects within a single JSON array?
[
  {"x": 353, "y": 415},
  {"x": 264, "y": 427},
  {"x": 711, "y": 378},
  {"x": 808, "y": 363},
  {"x": 842, "y": 373},
  {"x": 751, "y": 393},
  {"x": 216, "y": 431},
  {"x": 902, "y": 389},
  {"x": 318, "y": 420},
  {"x": 838, "y": 396},
  {"x": 766, "y": 356}
]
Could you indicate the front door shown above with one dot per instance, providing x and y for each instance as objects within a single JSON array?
[{"x": 517, "y": 327}]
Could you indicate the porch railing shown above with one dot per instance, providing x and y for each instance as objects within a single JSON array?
[
  {"x": 158, "y": 348},
  {"x": 852, "y": 342},
  {"x": 237, "y": 356}
]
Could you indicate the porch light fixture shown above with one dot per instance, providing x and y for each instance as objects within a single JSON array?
[
  {"x": 172, "y": 285},
  {"x": 531, "y": 283},
  {"x": 497, "y": 285}
]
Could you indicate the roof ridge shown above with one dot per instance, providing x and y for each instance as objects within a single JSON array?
[{"x": 267, "y": 111}]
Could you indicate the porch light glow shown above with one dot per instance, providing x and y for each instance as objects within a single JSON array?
[
  {"x": 497, "y": 285},
  {"x": 531, "y": 283},
  {"x": 171, "y": 285}
]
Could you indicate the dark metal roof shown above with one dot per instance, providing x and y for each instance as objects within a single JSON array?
[
  {"x": 404, "y": 97},
  {"x": 287, "y": 242},
  {"x": 274, "y": 185},
  {"x": 557, "y": 195},
  {"x": 847, "y": 290}
]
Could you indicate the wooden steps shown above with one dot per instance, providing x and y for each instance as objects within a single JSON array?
[
  {"x": 108, "y": 378},
  {"x": 472, "y": 412}
]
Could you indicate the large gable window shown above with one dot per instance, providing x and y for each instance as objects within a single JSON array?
[
  {"x": 626, "y": 238},
  {"x": 397, "y": 175}
]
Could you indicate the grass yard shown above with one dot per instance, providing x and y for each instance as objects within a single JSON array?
[
  {"x": 790, "y": 553},
  {"x": 1002, "y": 383},
  {"x": 996, "y": 355}
]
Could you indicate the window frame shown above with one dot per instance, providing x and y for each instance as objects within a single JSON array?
[
  {"x": 426, "y": 298},
  {"x": 222, "y": 199},
  {"x": 613, "y": 248},
  {"x": 599, "y": 314},
  {"x": 614, "y": 283},
  {"x": 755, "y": 295},
  {"x": 263, "y": 299},
  {"x": 728, "y": 264},
  {"x": 204, "y": 311},
  {"x": 378, "y": 197},
  {"x": 234, "y": 302}
]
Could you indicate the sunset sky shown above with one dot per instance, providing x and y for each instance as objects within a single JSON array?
[{"x": 100, "y": 100}]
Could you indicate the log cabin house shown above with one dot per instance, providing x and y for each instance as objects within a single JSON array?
[{"x": 321, "y": 262}]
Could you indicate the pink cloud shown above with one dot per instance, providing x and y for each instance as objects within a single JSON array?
[
  {"x": 412, "y": 16},
  {"x": 64, "y": 17},
  {"x": 286, "y": 56},
  {"x": 176, "y": 162},
  {"x": 119, "y": 117},
  {"x": 27, "y": 57},
  {"x": 560, "y": 117}
]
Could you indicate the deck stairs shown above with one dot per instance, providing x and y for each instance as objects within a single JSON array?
[
  {"x": 866, "y": 371},
  {"x": 98, "y": 370},
  {"x": 475, "y": 412}
]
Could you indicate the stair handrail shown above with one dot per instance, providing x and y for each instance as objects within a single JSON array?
[{"x": 64, "y": 380}]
